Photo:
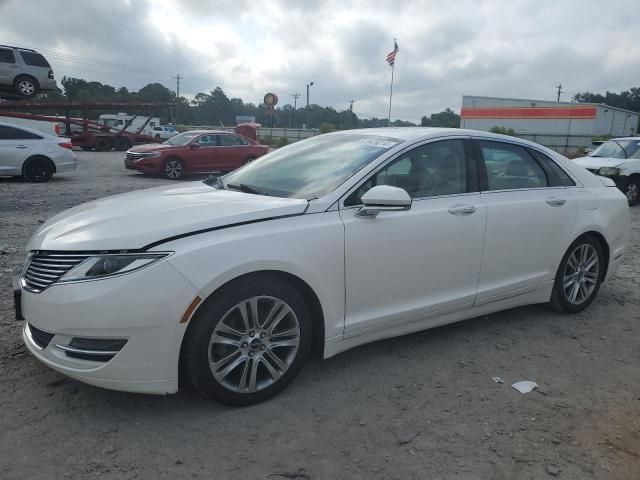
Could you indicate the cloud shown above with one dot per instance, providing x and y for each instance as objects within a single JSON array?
[{"x": 521, "y": 48}]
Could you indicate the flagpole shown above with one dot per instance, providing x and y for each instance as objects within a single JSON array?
[{"x": 393, "y": 67}]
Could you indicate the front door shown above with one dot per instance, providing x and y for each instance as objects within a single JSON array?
[
  {"x": 205, "y": 157},
  {"x": 407, "y": 265},
  {"x": 531, "y": 211}
]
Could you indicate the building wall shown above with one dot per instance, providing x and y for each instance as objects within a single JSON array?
[{"x": 564, "y": 126}]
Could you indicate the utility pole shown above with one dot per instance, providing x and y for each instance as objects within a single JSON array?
[
  {"x": 559, "y": 87},
  {"x": 351, "y": 104},
  {"x": 295, "y": 108},
  {"x": 310, "y": 84},
  {"x": 177, "y": 79}
]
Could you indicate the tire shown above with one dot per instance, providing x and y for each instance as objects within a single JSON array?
[
  {"x": 122, "y": 144},
  {"x": 38, "y": 169},
  {"x": 588, "y": 278},
  {"x": 86, "y": 148},
  {"x": 103, "y": 144},
  {"x": 632, "y": 190},
  {"x": 26, "y": 87},
  {"x": 173, "y": 168},
  {"x": 219, "y": 316}
]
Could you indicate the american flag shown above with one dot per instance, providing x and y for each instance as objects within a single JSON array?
[{"x": 391, "y": 57}]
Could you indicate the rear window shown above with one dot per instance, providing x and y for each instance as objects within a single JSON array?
[
  {"x": 34, "y": 59},
  {"x": 7, "y": 56}
]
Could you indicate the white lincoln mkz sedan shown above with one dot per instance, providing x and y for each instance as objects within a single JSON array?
[{"x": 319, "y": 246}]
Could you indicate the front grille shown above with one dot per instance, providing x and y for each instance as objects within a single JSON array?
[
  {"x": 45, "y": 268},
  {"x": 40, "y": 337},
  {"x": 133, "y": 156}
]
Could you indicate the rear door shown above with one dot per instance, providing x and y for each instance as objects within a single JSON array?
[
  {"x": 531, "y": 206},
  {"x": 8, "y": 66},
  {"x": 234, "y": 150},
  {"x": 15, "y": 147}
]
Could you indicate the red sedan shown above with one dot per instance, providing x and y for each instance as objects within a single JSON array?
[{"x": 198, "y": 151}]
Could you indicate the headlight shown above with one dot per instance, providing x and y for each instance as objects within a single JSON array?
[
  {"x": 152, "y": 155},
  {"x": 101, "y": 266},
  {"x": 609, "y": 171}
]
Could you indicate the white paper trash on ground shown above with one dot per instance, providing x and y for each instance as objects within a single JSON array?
[{"x": 525, "y": 386}]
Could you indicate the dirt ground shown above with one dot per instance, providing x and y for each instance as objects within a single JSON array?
[{"x": 422, "y": 406}]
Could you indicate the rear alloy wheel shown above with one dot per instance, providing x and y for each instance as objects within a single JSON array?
[
  {"x": 632, "y": 190},
  {"x": 248, "y": 341},
  {"x": 26, "y": 87},
  {"x": 38, "y": 169},
  {"x": 173, "y": 168},
  {"x": 579, "y": 276}
]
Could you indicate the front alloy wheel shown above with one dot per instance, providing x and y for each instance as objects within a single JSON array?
[
  {"x": 579, "y": 276},
  {"x": 247, "y": 341},
  {"x": 254, "y": 344},
  {"x": 26, "y": 87},
  {"x": 173, "y": 169}
]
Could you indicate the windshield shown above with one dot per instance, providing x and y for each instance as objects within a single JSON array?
[
  {"x": 310, "y": 168},
  {"x": 182, "y": 139},
  {"x": 618, "y": 149}
]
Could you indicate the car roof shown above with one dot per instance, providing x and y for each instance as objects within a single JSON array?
[
  {"x": 200, "y": 132},
  {"x": 28, "y": 129}
]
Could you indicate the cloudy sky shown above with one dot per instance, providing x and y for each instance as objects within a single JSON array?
[{"x": 515, "y": 48}]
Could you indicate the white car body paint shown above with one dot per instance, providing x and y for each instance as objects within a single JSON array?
[
  {"x": 13, "y": 153},
  {"x": 405, "y": 270}
]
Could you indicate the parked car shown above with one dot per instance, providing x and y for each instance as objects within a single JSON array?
[
  {"x": 33, "y": 154},
  {"x": 320, "y": 246},
  {"x": 163, "y": 132},
  {"x": 197, "y": 151},
  {"x": 594, "y": 145},
  {"x": 619, "y": 160},
  {"x": 25, "y": 71}
]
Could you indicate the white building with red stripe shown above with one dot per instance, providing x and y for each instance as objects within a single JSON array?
[{"x": 563, "y": 126}]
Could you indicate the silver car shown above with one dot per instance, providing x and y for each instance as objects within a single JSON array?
[{"x": 25, "y": 71}]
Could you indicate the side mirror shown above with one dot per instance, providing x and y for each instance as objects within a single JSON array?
[
  {"x": 384, "y": 198},
  {"x": 194, "y": 145}
]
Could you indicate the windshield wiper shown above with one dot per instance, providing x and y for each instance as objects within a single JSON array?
[{"x": 245, "y": 188}]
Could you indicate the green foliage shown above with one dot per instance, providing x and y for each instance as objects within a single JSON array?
[
  {"x": 503, "y": 131},
  {"x": 326, "y": 127},
  {"x": 283, "y": 141}
]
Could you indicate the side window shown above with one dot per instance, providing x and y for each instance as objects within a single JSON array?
[
  {"x": 34, "y": 59},
  {"x": 230, "y": 141},
  {"x": 10, "y": 133},
  {"x": 207, "y": 140},
  {"x": 7, "y": 56},
  {"x": 434, "y": 169},
  {"x": 510, "y": 167},
  {"x": 556, "y": 175}
]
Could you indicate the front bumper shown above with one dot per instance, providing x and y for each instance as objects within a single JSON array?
[
  {"x": 145, "y": 165},
  {"x": 144, "y": 307}
]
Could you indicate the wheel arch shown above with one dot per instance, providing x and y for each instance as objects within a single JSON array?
[
  {"x": 603, "y": 243},
  {"x": 26, "y": 75},
  {"x": 309, "y": 295}
]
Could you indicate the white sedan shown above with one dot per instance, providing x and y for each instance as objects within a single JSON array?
[
  {"x": 320, "y": 246},
  {"x": 33, "y": 154}
]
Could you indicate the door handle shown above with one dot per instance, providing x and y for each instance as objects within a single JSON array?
[
  {"x": 556, "y": 202},
  {"x": 22, "y": 146},
  {"x": 464, "y": 210}
]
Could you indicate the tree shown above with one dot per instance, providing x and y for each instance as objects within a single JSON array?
[{"x": 447, "y": 118}]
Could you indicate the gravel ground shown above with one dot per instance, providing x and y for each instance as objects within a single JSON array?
[{"x": 415, "y": 407}]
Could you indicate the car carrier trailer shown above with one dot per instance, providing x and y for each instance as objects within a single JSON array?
[{"x": 91, "y": 135}]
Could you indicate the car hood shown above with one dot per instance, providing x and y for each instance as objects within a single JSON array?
[
  {"x": 598, "y": 162},
  {"x": 136, "y": 219},
  {"x": 153, "y": 147}
]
